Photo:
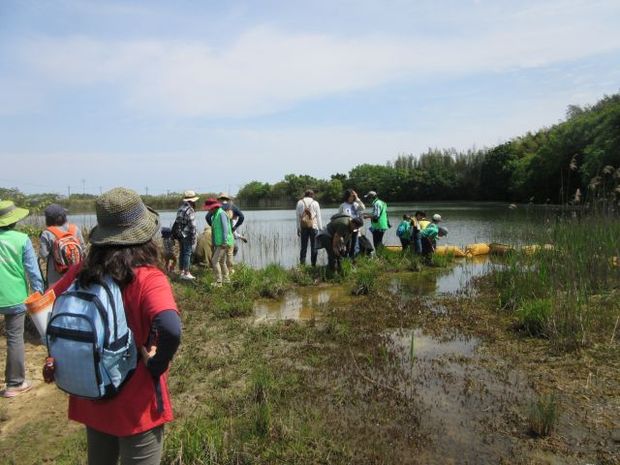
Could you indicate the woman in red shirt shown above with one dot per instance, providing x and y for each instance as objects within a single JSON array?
[{"x": 130, "y": 425}]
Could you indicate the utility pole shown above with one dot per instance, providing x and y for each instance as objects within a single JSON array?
[
  {"x": 68, "y": 191},
  {"x": 147, "y": 191},
  {"x": 83, "y": 186}
]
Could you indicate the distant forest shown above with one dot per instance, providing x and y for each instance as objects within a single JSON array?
[{"x": 576, "y": 161}]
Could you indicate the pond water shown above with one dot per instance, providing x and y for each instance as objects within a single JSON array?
[{"x": 272, "y": 234}]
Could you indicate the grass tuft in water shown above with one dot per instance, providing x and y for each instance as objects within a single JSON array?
[{"x": 543, "y": 415}]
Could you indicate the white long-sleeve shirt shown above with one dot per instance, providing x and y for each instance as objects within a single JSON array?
[{"x": 315, "y": 210}]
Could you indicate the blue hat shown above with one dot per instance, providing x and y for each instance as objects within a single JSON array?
[{"x": 53, "y": 210}]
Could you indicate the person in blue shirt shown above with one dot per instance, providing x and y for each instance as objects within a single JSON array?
[{"x": 19, "y": 270}]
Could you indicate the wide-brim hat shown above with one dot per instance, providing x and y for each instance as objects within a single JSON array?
[
  {"x": 10, "y": 214},
  {"x": 123, "y": 219},
  {"x": 211, "y": 203},
  {"x": 224, "y": 196},
  {"x": 190, "y": 196}
]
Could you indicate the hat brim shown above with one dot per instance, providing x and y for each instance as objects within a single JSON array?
[
  {"x": 190, "y": 199},
  {"x": 14, "y": 216},
  {"x": 139, "y": 233},
  {"x": 210, "y": 206}
]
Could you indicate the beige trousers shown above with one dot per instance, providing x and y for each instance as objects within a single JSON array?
[{"x": 218, "y": 262}]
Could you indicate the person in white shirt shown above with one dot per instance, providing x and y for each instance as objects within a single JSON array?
[{"x": 308, "y": 224}]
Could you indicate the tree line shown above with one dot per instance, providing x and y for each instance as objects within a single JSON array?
[{"x": 575, "y": 161}]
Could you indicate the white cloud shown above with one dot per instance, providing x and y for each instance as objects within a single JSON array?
[{"x": 265, "y": 70}]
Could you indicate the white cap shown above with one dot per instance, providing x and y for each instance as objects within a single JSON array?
[{"x": 436, "y": 217}]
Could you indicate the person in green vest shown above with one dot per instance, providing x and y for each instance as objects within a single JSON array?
[
  {"x": 429, "y": 236},
  {"x": 222, "y": 239},
  {"x": 18, "y": 271},
  {"x": 379, "y": 222}
]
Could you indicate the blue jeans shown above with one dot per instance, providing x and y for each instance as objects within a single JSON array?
[
  {"x": 308, "y": 235},
  {"x": 185, "y": 256}
]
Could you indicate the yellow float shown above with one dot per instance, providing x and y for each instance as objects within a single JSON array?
[
  {"x": 477, "y": 249},
  {"x": 449, "y": 250}
]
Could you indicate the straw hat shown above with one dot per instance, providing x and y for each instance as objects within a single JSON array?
[
  {"x": 123, "y": 219},
  {"x": 189, "y": 196},
  {"x": 10, "y": 214},
  {"x": 223, "y": 196}
]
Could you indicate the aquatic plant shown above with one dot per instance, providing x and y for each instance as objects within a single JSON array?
[
  {"x": 560, "y": 289},
  {"x": 543, "y": 415},
  {"x": 533, "y": 316}
]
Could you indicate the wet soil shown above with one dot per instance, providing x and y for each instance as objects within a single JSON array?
[{"x": 425, "y": 371}]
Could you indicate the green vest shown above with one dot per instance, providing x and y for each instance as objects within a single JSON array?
[
  {"x": 13, "y": 287},
  {"x": 218, "y": 231},
  {"x": 382, "y": 223}
]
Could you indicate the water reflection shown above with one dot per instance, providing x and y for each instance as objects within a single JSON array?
[
  {"x": 302, "y": 304},
  {"x": 456, "y": 279}
]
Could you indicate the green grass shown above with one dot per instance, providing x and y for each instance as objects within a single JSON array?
[
  {"x": 543, "y": 415},
  {"x": 569, "y": 291}
]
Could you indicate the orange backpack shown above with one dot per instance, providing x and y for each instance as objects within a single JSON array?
[{"x": 66, "y": 249}]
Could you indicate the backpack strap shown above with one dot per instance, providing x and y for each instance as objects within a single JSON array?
[{"x": 56, "y": 231}]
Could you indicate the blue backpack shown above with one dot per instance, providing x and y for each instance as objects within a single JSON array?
[
  {"x": 404, "y": 230},
  {"x": 87, "y": 335}
]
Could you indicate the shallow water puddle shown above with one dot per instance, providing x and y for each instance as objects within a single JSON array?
[
  {"x": 419, "y": 345},
  {"x": 305, "y": 303},
  {"x": 464, "y": 399},
  {"x": 450, "y": 281}
]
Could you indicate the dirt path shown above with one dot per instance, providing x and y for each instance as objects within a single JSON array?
[{"x": 44, "y": 405}]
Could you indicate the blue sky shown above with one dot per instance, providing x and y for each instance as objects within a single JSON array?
[{"x": 211, "y": 95}]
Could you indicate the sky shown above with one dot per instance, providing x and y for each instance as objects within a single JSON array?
[{"x": 160, "y": 95}]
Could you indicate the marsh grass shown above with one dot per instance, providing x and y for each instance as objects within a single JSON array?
[
  {"x": 543, "y": 415},
  {"x": 563, "y": 291}
]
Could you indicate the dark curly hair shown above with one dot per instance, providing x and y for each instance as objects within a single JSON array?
[{"x": 117, "y": 262}]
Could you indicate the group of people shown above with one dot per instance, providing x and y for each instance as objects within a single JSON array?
[
  {"x": 123, "y": 247},
  {"x": 419, "y": 232},
  {"x": 344, "y": 235},
  {"x": 217, "y": 243}
]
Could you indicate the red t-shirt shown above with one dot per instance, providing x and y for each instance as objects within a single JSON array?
[{"x": 134, "y": 409}]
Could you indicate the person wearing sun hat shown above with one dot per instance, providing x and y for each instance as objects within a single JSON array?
[
  {"x": 429, "y": 236},
  {"x": 222, "y": 239},
  {"x": 130, "y": 424},
  {"x": 18, "y": 270},
  {"x": 186, "y": 217}
]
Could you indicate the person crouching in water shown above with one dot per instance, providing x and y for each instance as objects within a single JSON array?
[
  {"x": 336, "y": 236},
  {"x": 429, "y": 237},
  {"x": 223, "y": 239}
]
